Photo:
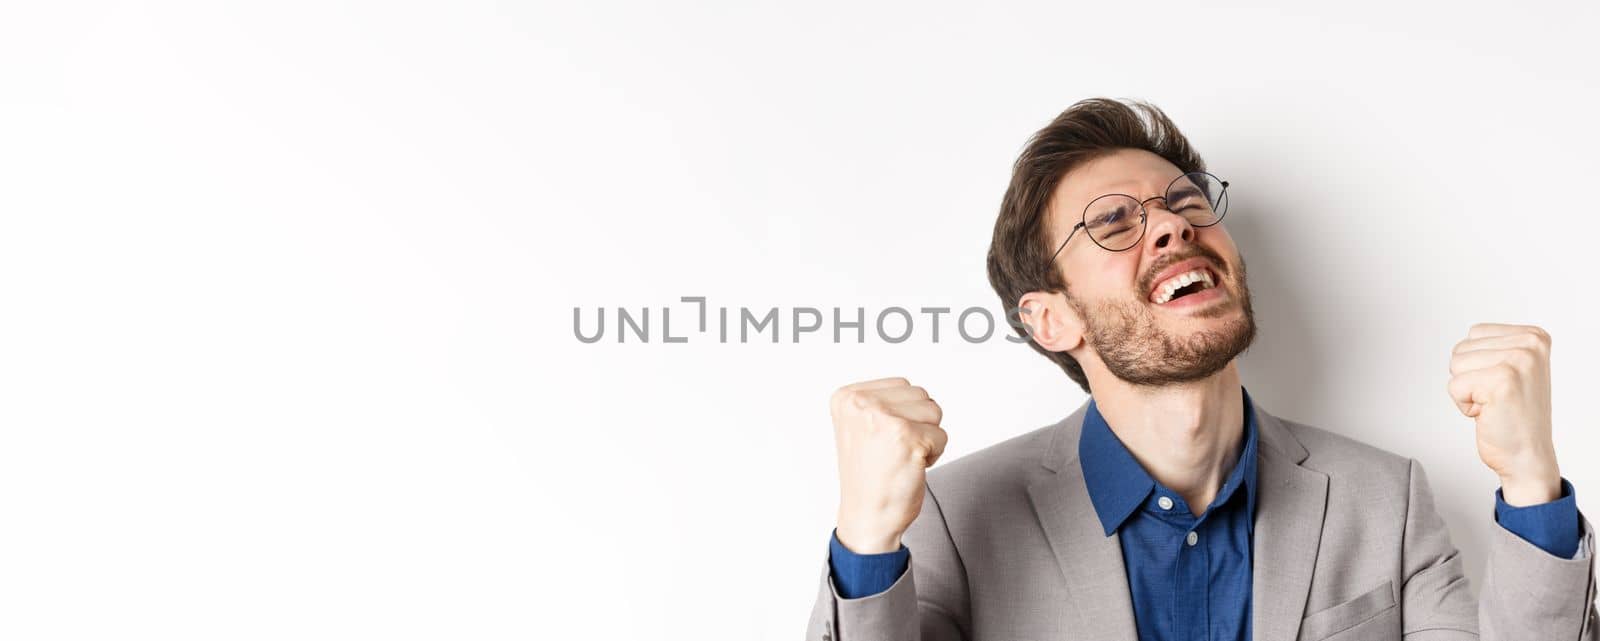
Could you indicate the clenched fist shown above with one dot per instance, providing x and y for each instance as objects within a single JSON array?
[
  {"x": 887, "y": 432},
  {"x": 1500, "y": 376}
]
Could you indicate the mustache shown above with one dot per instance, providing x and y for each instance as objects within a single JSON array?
[{"x": 1192, "y": 251}]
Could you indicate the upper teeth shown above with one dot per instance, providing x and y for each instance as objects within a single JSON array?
[{"x": 1163, "y": 292}]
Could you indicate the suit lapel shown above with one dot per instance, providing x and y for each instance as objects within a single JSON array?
[
  {"x": 1090, "y": 561},
  {"x": 1290, "y": 503}
]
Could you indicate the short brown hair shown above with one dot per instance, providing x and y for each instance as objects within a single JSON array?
[{"x": 1019, "y": 254}]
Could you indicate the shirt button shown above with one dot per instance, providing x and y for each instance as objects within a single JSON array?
[
  {"x": 1193, "y": 538},
  {"x": 1164, "y": 502}
]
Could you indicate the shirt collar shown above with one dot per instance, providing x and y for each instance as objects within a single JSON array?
[{"x": 1117, "y": 484}]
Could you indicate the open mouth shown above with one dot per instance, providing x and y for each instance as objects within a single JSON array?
[{"x": 1180, "y": 286}]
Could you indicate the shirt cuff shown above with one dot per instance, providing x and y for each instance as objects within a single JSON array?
[
  {"x": 1553, "y": 526},
  {"x": 859, "y": 575}
]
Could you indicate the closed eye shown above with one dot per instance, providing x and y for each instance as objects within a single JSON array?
[
  {"x": 1110, "y": 217},
  {"x": 1186, "y": 198}
]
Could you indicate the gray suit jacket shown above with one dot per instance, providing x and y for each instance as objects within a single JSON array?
[{"x": 1348, "y": 546}]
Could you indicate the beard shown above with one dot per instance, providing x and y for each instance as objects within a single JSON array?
[{"x": 1135, "y": 348}]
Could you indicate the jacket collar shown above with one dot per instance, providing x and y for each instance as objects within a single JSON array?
[{"x": 1287, "y": 532}]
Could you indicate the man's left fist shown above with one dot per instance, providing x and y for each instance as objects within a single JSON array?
[{"x": 1500, "y": 376}]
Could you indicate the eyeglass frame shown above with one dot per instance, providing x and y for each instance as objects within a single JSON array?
[{"x": 1144, "y": 215}]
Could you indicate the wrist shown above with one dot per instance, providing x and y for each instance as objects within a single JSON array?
[
  {"x": 1532, "y": 484},
  {"x": 866, "y": 542}
]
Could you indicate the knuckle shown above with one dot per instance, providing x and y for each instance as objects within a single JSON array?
[
  {"x": 1525, "y": 357},
  {"x": 1505, "y": 375},
  {"x": 909, "y": 440},
  {"x": 862, "y": 401}
]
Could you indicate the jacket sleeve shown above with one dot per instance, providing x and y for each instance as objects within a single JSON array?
[
  {"x": 929, "y": 601},
  {"x": 1528, "y": 593}
]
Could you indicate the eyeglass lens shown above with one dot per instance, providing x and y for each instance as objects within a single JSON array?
[{"x": 1117, "y": 222}]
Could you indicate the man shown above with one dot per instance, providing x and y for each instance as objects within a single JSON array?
[{"x": 1172, "y": 506}]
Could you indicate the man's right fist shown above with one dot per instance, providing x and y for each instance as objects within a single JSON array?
[{"x": 887, "y": 432}]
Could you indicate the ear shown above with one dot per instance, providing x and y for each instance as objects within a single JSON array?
[{"x": 1051, "y": 321}]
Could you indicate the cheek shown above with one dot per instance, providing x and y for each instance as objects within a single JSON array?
[
  {"x": 1218, "y": 239},
  {"x": 1109, "y": 278}
]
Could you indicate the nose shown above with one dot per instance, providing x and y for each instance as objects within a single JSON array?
[{"x": 1168, "y": 231}]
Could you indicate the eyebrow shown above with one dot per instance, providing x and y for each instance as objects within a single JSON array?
[
  {"x": 1186, "y": 190},
  {"x": 1119, "y": 206}
]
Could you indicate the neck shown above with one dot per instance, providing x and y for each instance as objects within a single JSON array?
[{"x": 1187, "y": 436}]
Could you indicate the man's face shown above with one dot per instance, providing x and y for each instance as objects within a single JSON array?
[{"x": 1120, "y": 298}]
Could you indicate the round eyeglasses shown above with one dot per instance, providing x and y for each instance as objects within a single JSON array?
[{"x": 1116, "y": 222}]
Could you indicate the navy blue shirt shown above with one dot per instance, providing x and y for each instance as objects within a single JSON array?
[{"x": 1189, "y": 576}]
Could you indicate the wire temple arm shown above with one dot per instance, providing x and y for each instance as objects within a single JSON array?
[{"x": 1075, "y": 229}]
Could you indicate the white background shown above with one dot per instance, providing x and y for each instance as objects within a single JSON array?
[{"x": 286, "y": 348}]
